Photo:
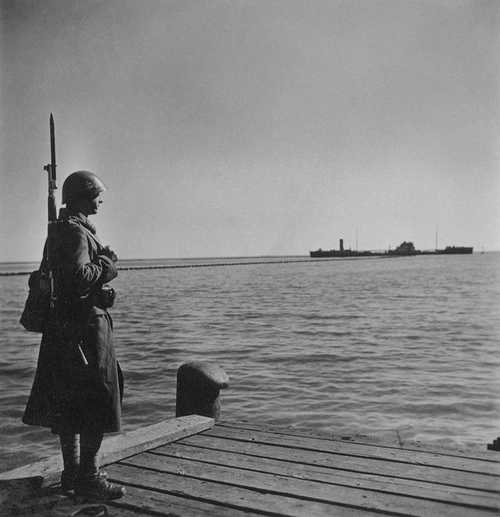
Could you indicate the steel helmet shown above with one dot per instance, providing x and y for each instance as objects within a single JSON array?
[{"x": 80, "y": 184}]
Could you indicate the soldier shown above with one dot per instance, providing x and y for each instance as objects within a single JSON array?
[{"x": 78, "y": 385}]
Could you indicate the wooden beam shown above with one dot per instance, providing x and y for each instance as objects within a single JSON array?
[
  {"x": 119, "y": 446},
  {"x": 490, "y": 466},
  {"x": 300, "y": 489},
  {"x": 361, "y": 480},
  {"x": 147, "y": 502},
  {"x": 388, "y": 439},
  {"x": 349, "y": 463},
  {"x": 241, "y": 498}
]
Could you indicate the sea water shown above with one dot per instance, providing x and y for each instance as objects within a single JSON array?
[{"x": 361, "y": 345}]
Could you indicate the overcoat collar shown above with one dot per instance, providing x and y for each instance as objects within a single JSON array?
[{"x": 79, "y": 218}]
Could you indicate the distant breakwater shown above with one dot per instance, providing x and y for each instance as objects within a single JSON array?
[{"x": 213, "y": 264}]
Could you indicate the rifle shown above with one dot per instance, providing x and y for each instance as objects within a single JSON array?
[
  {"x": 51, "y": 212},
  {"x": 52, "y": 223}
]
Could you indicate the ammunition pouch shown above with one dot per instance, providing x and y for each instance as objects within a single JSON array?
[{"x": 104, "y": 298}]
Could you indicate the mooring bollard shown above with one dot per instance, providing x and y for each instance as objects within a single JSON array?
[
  {"x": 198, "y": 387},
  {"x": 495, "y": 445}
]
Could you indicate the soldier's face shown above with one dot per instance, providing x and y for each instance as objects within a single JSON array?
[
  {"x": 94, "y": 205},
  {"x": 91, "y": 206}
]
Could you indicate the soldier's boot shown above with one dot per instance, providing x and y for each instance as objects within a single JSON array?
[
  {"x": 68, "y": 479},
  {"x": 71, "y": 460},
  {"x": 91, "y": 482},
  {"x": 98, "y": 489}
]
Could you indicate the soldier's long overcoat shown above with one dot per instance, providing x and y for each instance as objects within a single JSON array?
[{"x": 66, "y": 394}]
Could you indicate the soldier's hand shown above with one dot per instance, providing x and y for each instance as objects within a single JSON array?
[{"x": 108, "y": 252}]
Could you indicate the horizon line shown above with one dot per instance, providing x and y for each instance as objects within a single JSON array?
[{"x": 277, "y": 255}]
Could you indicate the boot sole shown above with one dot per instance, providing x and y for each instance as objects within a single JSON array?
[{"x": 85, "y": 498}]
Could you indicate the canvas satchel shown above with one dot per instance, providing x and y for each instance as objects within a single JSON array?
[{"x": 36, "y": 308}]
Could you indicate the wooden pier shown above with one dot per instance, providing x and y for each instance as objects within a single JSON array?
[{"x": 190, "y": 467}]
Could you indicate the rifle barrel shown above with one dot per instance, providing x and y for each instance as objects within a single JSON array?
[
  {"x": 51, "y": 172},
  {"x": 52, "y": 148}
]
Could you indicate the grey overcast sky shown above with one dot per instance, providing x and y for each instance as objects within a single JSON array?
[{"x": 249, "y": 127}]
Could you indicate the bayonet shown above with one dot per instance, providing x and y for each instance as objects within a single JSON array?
[{"x": 51, "y": 173}]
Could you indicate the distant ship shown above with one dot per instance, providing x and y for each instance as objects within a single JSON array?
[
  {"x": 453, "y": 250},
  {"x": 405, "y": 249},
  {"x": 342, "y": 252}
]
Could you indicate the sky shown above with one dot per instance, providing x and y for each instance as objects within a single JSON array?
[{"x": 255, "y": 127}]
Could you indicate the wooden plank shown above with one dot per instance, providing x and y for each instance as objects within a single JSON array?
[
  {"x": 119, "y": 446},
  {"x": 51, "y": 503},
  {"x": 419, "y": 490},
  {"x": 359, "y": 450},
  {"x": 382, "y": 439},
  {"x": 446, "y": 477},
  {"x": 146, "y": 502},
  {"x": 227, "y": 495},
  {"x": 306, "y": 490},
  {"x": 487, "y": 462}
]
